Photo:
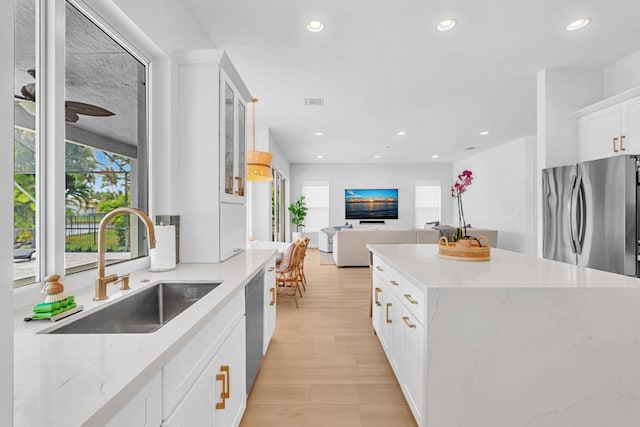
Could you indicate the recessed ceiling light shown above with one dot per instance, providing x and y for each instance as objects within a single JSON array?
[
  {"x": 435, "y": 156},
  {"x": 377, "y": 156},
  {"x": 446, "y": 25},
  {"x": 578, "y": 24},
  {"x": 318, "y": 133},
  {"x": 484, "y": 133},
  {"x": 315, "y": 26},
  {"x": 402, "y": 133},
  {"x": 319, "y": 156}
]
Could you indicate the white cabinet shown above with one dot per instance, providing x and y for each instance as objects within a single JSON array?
[
  {"x": 218, "y": 397},
  {"x": 398, "y": 314},
  {"x": 143, "y": 410},
  {"x": 378, "y": 284},
  {"x": 630, "y": 125},
  {"x": 411, "y": 334},
  {"x": 233, "y": 131},
  {"x": 269, "y": 325},
  {"x": 211, "y": 115},
  {"x": 233, "y": 235},
  {"x": 196, "y": 408},
  {"x": 230, "y": 380},
  {"x": 610, "y": 131},
  {"x": 191, "y": 368}
]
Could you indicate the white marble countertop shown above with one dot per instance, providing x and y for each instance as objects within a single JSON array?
[
  {"x": 71, "y": 380},
  {"x": 421, "y": 264}
]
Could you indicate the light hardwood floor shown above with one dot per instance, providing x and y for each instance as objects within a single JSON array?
[{"x": 325, "y": 366}]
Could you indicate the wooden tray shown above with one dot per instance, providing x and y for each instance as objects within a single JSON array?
[{"x": 478, "y": 251}]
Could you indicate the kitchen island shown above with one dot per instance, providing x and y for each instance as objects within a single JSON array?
[
  {"x": 138, "y": 378},
  {"x": 514, "y": 341}
]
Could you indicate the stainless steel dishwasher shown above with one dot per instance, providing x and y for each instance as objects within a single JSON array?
[{"x": 254, "y": 309}]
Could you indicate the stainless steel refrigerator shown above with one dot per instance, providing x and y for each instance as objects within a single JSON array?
[{"x": 590, "y": 214}]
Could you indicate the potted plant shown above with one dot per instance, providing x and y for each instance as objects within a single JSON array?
[
  {"x": 298, "y": 211},
  {"x": 457, "y": 190}
]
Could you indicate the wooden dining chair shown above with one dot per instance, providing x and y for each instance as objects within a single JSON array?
[
  {"x": 288, "y": 276},
  {"x": 303, "y": 280}
]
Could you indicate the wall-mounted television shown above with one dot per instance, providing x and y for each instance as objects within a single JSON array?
[{"x": 371, "y": 204}]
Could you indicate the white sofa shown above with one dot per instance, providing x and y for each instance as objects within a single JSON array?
[{"x": 350, "y": 246}]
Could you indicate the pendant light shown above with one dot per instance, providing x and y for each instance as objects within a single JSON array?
[{"x": 258, "y": 162}]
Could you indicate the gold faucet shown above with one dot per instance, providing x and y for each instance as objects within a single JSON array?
[{"x": 102, "y": 281}]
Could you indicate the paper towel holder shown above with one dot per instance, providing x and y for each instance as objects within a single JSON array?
[{"x": 163, "y": 257}]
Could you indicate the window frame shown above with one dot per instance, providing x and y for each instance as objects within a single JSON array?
[
  {"x": 310, "y": 209},
  {"x": 431, "y": 184},
  {"x": 50, "y": 126}
]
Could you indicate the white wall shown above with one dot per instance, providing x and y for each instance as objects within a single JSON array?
[
  {"x": 502, "y": 195},
  {"x": 6, "y": 212},
  {"x": 622, "y": 75},
  {"x": 401, "y": 176}
]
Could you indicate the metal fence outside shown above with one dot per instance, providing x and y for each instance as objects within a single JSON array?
[{"x": 82, "y": 231}]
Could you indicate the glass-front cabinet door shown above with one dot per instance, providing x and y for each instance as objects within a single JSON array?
[{"x": 232, "y": 142}]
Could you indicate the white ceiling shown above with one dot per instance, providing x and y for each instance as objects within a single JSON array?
[{"x": 381, "y": 67}]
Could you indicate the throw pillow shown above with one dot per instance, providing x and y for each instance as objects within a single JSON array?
[{"x": 286, "y": 257}]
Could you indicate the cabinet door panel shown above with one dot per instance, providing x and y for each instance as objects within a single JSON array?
[
  {"x": 269, "y": 305},
  {"x": 232, "y": 229},
  {"x": 597, "y": 133},
  {"x": 143, "y": 410},
  {"x": 630, "y": 125},
  {"x": 196, "y": 409},
  {"x": 232, "y": 142},
  {"x": 413, "y": 379},
  {"x": 390, "y": 306},
  {"x": 229, "y": 389},
  {"x": 377, "y": 308}
]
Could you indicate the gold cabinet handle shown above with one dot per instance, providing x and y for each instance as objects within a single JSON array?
[
  {"x": 388, "y": 306},
  {"x": 378, "y": 290},
  {"x": 394, "y": 283},
  {"x": 273, "y": 297},
  {"x": 225, "y": 394},
  {"x": 615, "y": 149},
  {"x": 621, "y": 142},
  {"x": 406, "y": 320},
  {"x": 270, "y": 269},
  {"x": 240, "y": 191},
  {"x": 379, "y": 268},
  {"x": 410, "y": 299}
]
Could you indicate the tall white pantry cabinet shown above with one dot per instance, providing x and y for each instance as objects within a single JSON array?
[{"x": 211, "y": 156}]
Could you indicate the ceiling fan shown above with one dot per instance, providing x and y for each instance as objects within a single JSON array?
[{"x": 72, "y": 109}]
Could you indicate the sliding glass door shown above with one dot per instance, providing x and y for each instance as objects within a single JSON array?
[{"x": 278, "y": 207}]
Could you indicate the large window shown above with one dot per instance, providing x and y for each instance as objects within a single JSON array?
[
  {"x": 26, "y": 146},
  {"x": 427, "y": 203},
  {"x": 316, "y": 195},
  {"x": 105, "y": 143},
  {"x": 106, "y": 162}
]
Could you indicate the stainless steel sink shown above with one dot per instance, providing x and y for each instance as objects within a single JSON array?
[{"x": 143, "y": 312}]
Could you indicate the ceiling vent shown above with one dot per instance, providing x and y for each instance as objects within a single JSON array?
[{"x": 311, "y": 102}]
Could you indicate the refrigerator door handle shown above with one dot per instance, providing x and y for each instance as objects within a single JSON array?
[
  {"x": 573, "y": 216},
  {"x": 581, "y": 215}
]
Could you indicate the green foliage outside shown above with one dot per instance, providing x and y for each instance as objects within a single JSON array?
[{"x": 96, "y": 181}]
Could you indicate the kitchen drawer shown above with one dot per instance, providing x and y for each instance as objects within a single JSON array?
[
  {"x": 388, "y": 274},
  {"x": 381, "y": 267},
  {"x": 184, "y": 369},
  {"x": 413, "y": 299}
]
